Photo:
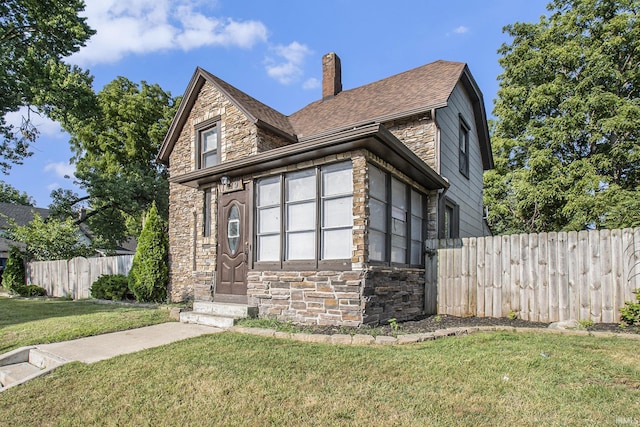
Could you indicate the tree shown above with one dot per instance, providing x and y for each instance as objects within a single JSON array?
[
  {"x": 149, "y": 274},
  {"x": 34, "y": 37},
  {"x": 115, "y": 151},
  {"x": 565, "y": 140},
  {"x": 9, "y": 194},
  {"x": 50, "y": 240}
]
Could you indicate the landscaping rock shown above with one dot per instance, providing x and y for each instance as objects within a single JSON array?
[{"x": 565, "y": 324}]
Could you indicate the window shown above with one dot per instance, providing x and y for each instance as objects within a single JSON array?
[
  {"x": 305, "y": 217},
  {"x": 208, "y": 134},
  {"x": 396, "y": 220},
  {"x": 463, "y": 145},
  {"x": 206, "y": 214},
  {"x": 450, "y": 220}
]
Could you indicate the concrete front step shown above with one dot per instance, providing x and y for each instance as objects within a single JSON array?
[
  {"x": 238, "y": 311},
  {"x": 218, "y": 314},
  {"x": 206, "y": 319}
]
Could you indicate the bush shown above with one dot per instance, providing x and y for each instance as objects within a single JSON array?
[
  {"x": 14, "y": 274},
  {"x": 30, "y": 291},
  {"x": 149, "y": 273},
  {"x": 630, "y": 313},
  {"x": 111, "y": 286}
]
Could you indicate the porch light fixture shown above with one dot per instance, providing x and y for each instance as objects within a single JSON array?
[{"x": 225, "y": 181}]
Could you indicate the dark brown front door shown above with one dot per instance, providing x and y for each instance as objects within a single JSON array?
[{"x": 232, "y": 248}]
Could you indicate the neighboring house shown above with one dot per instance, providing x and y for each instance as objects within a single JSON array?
[
  {"x": 22, "y": 215},
  {"x": 320, "y": 217}
]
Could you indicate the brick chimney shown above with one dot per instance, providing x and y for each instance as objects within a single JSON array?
[{"x": 331, "y": 76}]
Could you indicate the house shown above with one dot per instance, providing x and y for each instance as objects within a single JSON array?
[{"x": 320, "y": 217}]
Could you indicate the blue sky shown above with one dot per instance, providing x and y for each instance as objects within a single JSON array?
[{"x": 272, "y": 51}]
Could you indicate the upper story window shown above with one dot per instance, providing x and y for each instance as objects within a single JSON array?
[
  {"x": 208, "y": 134},
  {"x": 305, "y": 218},
  {"x": 463, "y": 146},
  {"x": 396, "y": 220}
]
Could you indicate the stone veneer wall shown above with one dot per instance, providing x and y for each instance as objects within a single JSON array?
[
  {"x": 419, "y": 134},
  {"x": 390, "y": 292},
  {"x": 308, "y": 297}
]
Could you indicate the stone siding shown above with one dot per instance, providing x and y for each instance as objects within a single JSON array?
[
  {"x": 419, "y": 134},
  {"x": 396, "y": 293},
  {"x": 308, "y": 297}
]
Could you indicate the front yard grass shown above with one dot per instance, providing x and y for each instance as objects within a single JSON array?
[
  {"x": 232, "y": 379},
  {"x": 39, "y": 321}
]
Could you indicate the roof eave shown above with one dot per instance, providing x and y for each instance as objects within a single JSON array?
[
  {"x": 372, "y": 137},
  {"x": 480, "y": 113}
]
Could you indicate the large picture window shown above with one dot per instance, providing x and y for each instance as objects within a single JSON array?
[
  {"x": 305, "y": 217},
  {"x": 396, "y": 220}
]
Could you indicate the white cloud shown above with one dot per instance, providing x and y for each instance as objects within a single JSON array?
[
  {"x": 53, "y": 186},
  {"x": 461, "y": 29},
  {"x": 142, "y": 26},
  {"x": 61, "y": 169},
  {"x": 45, "y": 125},
  {"x": 311, "y": 83},
  {"x": 289, "y": 68}
]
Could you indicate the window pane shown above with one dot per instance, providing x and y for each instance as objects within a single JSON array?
[
  {"x": 301, "y": 216},
  {"x": 337, "y": 179},
  {"x": 378, "y": 215},
  {"x": 416, "y": 228},
  {"x": 337, "y": 212},
  {"x": 269, "y": 248},
  {"x": 398, "y": 241},
  {"x": 416, "y": 203},
  {"x": 210, "y": 159},
  {"x": 210, "y": 140},
  {"x": 398, "y": 227},
  {"x": 377, "y": 183},
  {"x": 377, "y": 246},
  {"x": 269, "y": 191},
  {"x": 336, "y": 244},
  {"x": 398, "y": 255},
  {"x": 301, "y": 245},
  {"x": 416, "y": 253},
  {"x": 269, "y": 220},
  {"x": 301, "y": 185},
  {"x": 398, "y": 194}
]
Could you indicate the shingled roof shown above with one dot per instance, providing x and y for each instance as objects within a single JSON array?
[
  {"x": 21, "y": 214},
  {"x": 411, "y": 92},
  {"x": 419, "y": 89}
]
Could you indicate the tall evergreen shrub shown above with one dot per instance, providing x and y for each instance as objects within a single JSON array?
[
  {"x": 149, "y": 275},
  {"x": 14, "y": 273}
]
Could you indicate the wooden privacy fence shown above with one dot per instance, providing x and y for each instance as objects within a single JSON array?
[
  {"x": 74, "y": 277},
  {"x": 546, "y": 277}
]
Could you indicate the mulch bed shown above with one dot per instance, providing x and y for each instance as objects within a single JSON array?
[{"x": 433, "y": 323}]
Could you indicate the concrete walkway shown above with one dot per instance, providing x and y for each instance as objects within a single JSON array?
[{"x": 105, "y": 346}]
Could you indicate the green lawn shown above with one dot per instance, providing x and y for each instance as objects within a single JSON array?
[
  {"x": 39, "y": 321},
  {"x": 232, "y": 379}
]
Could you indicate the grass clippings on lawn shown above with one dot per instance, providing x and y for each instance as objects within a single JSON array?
[
  {"x": 232, "y": 379},
  {"x": 39, "y": 321}
]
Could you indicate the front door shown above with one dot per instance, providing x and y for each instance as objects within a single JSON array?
[{"x": 232, "y": 248}]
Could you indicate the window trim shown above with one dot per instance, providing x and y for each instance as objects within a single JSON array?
[
  {"x": 463, "y": 146},
  {"x": 199, "y": 130},
  {"x": 388, "y": 234},
  {"x": 311, "y": 264}
]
